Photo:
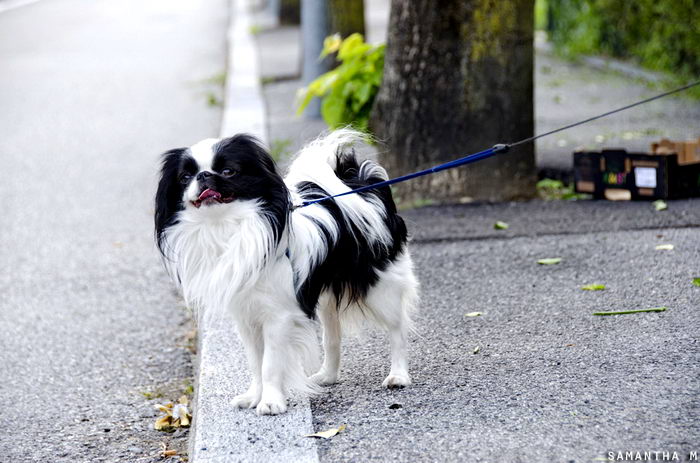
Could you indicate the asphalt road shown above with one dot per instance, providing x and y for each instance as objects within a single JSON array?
[
  {"x": 91, "y": 93},
  {"x": 550, "y": 381}
]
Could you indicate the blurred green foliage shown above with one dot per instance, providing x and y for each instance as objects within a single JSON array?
[
  {"x": 541, "y": 10},
  {"x": 552, "y": 189},
  {"x": 663, "y": 35},
  {"x": 348, "y": 91}
]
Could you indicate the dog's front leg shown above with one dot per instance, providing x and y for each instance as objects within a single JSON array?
[
  {"x": 253, "y": 343},
  {"x": 274, "y": 365}
]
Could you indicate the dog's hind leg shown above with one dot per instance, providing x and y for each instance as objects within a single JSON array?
[
  {"x": 328, "y": 314},
  {"x": 392, "y": 300},
  {"x": 398, "y": 375}
]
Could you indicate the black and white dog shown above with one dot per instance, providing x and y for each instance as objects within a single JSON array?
[{"x": 231, "y": 237}]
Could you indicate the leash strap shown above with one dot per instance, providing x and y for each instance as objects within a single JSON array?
[{"x": 496, "y": 149}]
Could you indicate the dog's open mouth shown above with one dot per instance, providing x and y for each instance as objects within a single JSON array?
[{"x": 209, "y": 197}]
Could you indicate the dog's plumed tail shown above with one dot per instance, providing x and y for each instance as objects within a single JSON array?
[{"x": 329, "y": 162}]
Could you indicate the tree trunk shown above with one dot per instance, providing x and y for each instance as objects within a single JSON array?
[
  {"x": 347, "y": 17},
  {"x": 458, "y": 78}
]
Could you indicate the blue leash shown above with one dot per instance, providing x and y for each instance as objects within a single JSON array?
[
  {"x": 496, "y": 149},
  {"x": 448, "y": 165}
]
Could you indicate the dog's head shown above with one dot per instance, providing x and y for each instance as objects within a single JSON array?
[{"x": 213, "y": 175}]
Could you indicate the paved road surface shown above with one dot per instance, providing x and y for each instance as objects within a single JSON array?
[
  {"x": 551, "y": 382},
  {"x": 91, "y": 92}
]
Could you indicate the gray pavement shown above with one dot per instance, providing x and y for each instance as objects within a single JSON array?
[
  {"x": 91, "y": 93},
  {"x": 550, "y": 381}
]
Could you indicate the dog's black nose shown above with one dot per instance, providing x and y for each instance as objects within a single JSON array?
[{"x": 202, "y": 175}]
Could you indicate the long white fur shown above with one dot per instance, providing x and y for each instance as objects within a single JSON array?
[{"x": 225, "y": 258}]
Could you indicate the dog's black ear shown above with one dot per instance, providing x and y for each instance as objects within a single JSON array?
[{"x": 168, "y": 200}]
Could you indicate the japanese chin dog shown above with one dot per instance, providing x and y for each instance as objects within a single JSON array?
[{"x": 234, "y": 237}]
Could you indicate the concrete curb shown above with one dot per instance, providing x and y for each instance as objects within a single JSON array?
[{"x": 221, "y": 433}]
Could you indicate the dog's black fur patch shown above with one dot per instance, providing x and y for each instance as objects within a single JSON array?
[{"x": 352, "y": 264}]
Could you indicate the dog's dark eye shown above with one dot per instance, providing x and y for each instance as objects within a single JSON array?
[
  {"x": 228, "y": 172},
  {"x": 185, "y": 178}
]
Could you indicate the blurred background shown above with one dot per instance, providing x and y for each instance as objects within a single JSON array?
[{"x": 573, "y": 58}]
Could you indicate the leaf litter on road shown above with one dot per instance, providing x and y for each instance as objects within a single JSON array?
[
  {"x": 549, "y": 261},
  {"x": 624, "y": 312},
  {"x": 165, "y": 452},
  {"x": 660, "y": 205},
  {"x": 176, "y": 415},
  {"x": 696, "y": 281},
  {"x": 664, "y": 247},
  {"x": 328, "y": 433},
  {"x": 593, "y": 287},
  {"x": 500, "y": 225}
]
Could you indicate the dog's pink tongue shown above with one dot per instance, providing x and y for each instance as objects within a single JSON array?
[{"x": 209, "y": 193}]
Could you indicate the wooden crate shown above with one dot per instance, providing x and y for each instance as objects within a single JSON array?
[
  {"x": 621, "y": 175},
  {"x": 688, "y": 151}
]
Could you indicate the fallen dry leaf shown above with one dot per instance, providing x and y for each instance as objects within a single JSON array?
[
  {"x": 624, "y": 312},
  {"x": 664, "y": 247},
  {"x": 164, "y": 452},
  {"x": 329, "y": 433},
  {"x": 176, "y": 415},
  {"x": 660, "y": 205}
]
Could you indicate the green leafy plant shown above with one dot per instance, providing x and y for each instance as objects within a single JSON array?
[
  {"x": 659, "y": 34},
  {"x": 348, "y": 91}
]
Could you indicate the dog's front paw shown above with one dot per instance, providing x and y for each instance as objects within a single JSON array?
[
  {"x": 271, "y": 407},
  {"x": 324, "y": 378},
  {"x": 246, "y": 400},
  {"x": 396, "y": 381}
]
